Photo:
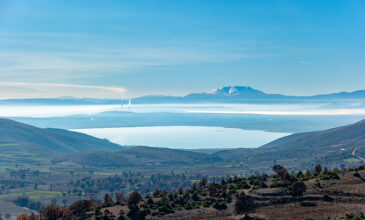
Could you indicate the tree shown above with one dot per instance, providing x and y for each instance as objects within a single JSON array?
[
  {"x": 180, "y": 190},
  {"x": 156, "y": 193},
  {"x": 281, "y": 172},
  {"x": 317, "y": 170},
  {"x": 121, "y": 215},
  {"x": 119, "y": 197},
  {"x": 79, "y": 208},
  {"x": 203, "y": 182},
  {"x": 51, "y": 212},
  {"x": 107, "y": 200},
  {"x": 108, "y": 215},
  {"x": 134, "y": 199},
  {"x": 244, "y": 204},
  {"x": 212, "y": 189},
  {"x": 298, "y": 188},
  {"x": 325, "y": 171}
]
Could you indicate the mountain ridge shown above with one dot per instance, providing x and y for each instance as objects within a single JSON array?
[{"x": 225, "y": 94}]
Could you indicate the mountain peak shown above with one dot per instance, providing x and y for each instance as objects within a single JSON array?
[{"x": 236, "y": 90}]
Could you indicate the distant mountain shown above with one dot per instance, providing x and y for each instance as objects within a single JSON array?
[
  {"x": 246, "y": 94},
  {"x": 227, "y": 94},
  {"x": 50, "y": 140},
  {"x": 237, "y": 90}
]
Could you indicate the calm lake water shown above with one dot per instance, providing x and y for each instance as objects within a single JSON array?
[{"x": 185, "y": 137}]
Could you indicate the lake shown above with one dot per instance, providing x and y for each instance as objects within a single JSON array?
[{"x": 185, "y": 137}]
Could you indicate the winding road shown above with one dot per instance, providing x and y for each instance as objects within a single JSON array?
[{"x": 354, "y": 154}]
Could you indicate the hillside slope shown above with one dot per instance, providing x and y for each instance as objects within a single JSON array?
[
  {"x": 142, "y": 156},
  {"x": 329, "y": 147},
  {"x": 53, "y": 140},
  {"x": 346, "y": 136}
]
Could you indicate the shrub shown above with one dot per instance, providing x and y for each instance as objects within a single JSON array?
[
  {"x": 208, "y": 202},
  {"x": 188, "y": 206},
  {"x": 327, "y": 198},
  {"x": 244, "y": 204},
  {"x": 220, "y": 205},
  {"x": 134, "y": 199},
  {"x": 308, "y": 204},
  {"x": 298, "y": 188},
  {"x": 279, "y": 184}
]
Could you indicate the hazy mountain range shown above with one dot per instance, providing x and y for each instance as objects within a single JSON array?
[{"x": 227, "y": 94}]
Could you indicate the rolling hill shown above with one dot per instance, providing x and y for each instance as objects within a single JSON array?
[
  {"x": 329, "y": 147},
  {"x": 50, "y": 140},
  {"x": 142, "y": 156},
  {"x": 349, "y": 136}
]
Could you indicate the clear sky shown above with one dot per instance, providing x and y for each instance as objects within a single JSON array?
[{"x": 98, "y": 48}]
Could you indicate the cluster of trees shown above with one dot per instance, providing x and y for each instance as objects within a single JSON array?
[
  {"x": 295, "y": 182},
  {"x": 158, "y": 203},
  {"x": 128, "y": 181},
  {"x": 25, "y": 201},
  {"x": 200, "y": 194}
]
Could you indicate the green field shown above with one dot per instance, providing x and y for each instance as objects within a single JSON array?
[
  {"x": 34, "y": 194},
  {"x": 10, "y": 145},
  {"x": 352, "y": 160}
]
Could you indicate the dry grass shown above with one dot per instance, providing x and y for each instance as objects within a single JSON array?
[{"x": 296, "y": 211}]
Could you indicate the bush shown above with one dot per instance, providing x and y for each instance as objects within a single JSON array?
[
  {"x": 27, "y": 202},
  {"x": 166, "y": 209},
  {"x": 220, "y": 205},
  {"x": 188, "y": 206},
  {"x": 308, "y": 204},
  {"x": 327, "y": 198},
  {"x": 244, "y": 204},
  {"x": 279, "y": 184},
  {"x": 208, "y": 202},
  {"x": 134, "y": 199},
  {"x": 298, "y": 188}
]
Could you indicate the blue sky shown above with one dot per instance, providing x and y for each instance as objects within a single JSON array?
[{"x": 93, "y": 48}]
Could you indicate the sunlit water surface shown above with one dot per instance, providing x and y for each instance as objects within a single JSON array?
[{"x": 184, "y": 137}]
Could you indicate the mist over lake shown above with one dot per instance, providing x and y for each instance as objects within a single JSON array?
[{"x": 42, "y": 111}]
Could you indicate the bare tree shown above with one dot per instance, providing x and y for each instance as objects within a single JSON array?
[
  {"x": 107, "y": 200},
  {"x": 317, "y": 170},
  {"x": 119, "y": 197},
  {"x": 282, "y": 172}
]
